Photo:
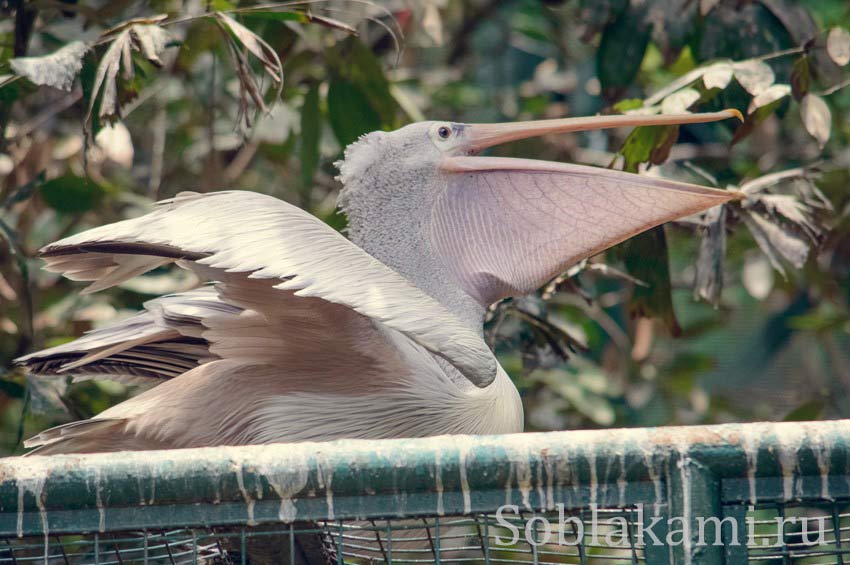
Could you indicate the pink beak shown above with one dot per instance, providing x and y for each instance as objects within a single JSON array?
[{"x": 481, "y": 136}]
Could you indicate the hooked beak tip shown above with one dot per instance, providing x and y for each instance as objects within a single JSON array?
[{"x": 735, "y": 113}]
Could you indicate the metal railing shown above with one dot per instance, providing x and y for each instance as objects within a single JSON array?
[{"x": 759, "y": 493}]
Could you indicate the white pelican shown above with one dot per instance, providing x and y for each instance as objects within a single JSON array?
[{"x": 307, "y": 335}]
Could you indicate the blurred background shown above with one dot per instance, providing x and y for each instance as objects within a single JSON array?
[{"x": 740, "y": 314}]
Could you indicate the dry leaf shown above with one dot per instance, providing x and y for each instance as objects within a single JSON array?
[
  {"x": 708, "y": 283},
  {"x": 769, "y": 96},
  {"x": 107, "y": 72},
  {"x": 149, "y": 39},
  {"x": 758, "y": 184},
  {"x": 113, "y": 142},
  {"x": 838, "y": 45},
  {"x": 775, "y": 241},
  {"x": 717, "y": 75},
  {"x": 816, "y": 117},
  {"x": 432, "y": 24},
  {"x": 789, "y": 207},
  {"x": 256, "y": 45},
  {"x": 754, "y": 75},
  {"x": 679, "y": 102},
  {"x": 59, "y": 69},
  {"x": 757, "y": 276},
  {"x": 250, "y": 94}
]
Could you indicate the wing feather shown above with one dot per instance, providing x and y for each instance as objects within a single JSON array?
[{"x": 261, "y": 237}]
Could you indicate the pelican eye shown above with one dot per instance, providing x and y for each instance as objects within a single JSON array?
[{"x": 444, "y": 132}]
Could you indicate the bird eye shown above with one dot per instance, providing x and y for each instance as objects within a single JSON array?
[{"x": 444, "y": 132}]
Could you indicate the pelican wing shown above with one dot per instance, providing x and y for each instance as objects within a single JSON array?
[
  {"x": 506, "y": 226},
  {"x": 260, "y": 237},
  {"x": 160, "y": 342}
]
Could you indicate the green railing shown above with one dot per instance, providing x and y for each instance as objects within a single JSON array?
[{"x": 654, "y": 496}]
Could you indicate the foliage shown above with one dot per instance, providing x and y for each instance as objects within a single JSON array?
[{"x": 740, "y": 313}]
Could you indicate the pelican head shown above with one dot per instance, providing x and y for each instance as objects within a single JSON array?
[{"x": 470, "y": 230}]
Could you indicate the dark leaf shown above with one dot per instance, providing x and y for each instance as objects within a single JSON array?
[
  {"x": 621, "y": 51},
  {"x": 11, "y": 388},
  {"x": 645, "y": 257},
  {"x": 801, "y": 78},
  {"x": 663, "y": 146},
  {"x": 740, "y": 31},
  {"x": 311, "y": 123},
  {"x": 673, "y": 25},
  {"x": 596, "y": 14},
  {"x": 349, "y": 111},
  {"x": 358, "y": 65},
  {"x": 71, "y": 194}
]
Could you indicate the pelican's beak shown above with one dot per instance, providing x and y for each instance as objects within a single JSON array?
[{"x": 481, "y": 136}]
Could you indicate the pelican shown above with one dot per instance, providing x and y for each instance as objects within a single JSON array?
[{"x": 304, "y": 334}]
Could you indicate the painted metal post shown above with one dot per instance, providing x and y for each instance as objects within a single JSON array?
[{"x": 694, "y": 508}]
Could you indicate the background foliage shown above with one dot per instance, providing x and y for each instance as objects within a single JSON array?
[{"x": 739, "y": 314}]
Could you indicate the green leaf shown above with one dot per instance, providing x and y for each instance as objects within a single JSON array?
[
  {"x": 807, "y": 412},
  {"x": 349, "y": 111},
  {"x": 628, "y": 104},
  {"x": 311, "y": 122},
  {"x": 357, "y": 65},
  {"x": 646, "y": 259},
  {"x": 71, "y": 194},
  {"x": 621, "y": 52},
  {"x": 11, "y": 388},
  {"x": 648, "y": 144},
  {"x": 299, "y": 17}
]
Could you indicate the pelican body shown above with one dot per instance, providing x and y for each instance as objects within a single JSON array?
[{"x": 303, "y": 334}]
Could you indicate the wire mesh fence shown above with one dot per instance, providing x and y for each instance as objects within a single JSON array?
[{"x": 757, "y": 493}]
